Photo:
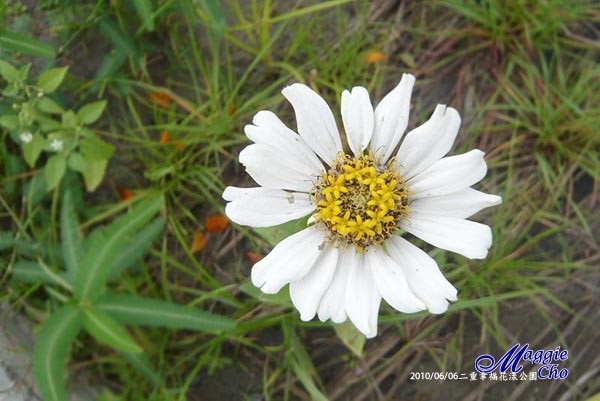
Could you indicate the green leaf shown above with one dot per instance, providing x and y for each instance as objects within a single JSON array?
[
  {"x": 120, "y": 39},
  {"x": 282, "y": 298},
  {"x": 36, "y": 189},
  {"x": 27, "y": 271},
  {"x": 104, "y": 329},
  {"x": 353, "y": 339},
  {"x": 7, "y": 240},
  {"x": 77, "y": 162},
  {"x": 152, "y": 312},
  {"x": 26, "y": 45},
  {"x": 215, "y": 15},
  {"x": 105, "y": 246},
  {"x": 9, "y": 121},
  {"x": 136, "y": 247},
  {"x": 49, "y": 106},
  {"x": 52, "y": 349},
  {"x": 93, "y": 173},
  {"x": 51, "y": 79},
  {"x": 92, "y": 147},
  {"x": 8, "y": 72},
  {"x": 69, "y": 232},
  {"x": 54, "y": 171},
  {"x": 144, "y": 11},
  {"x": 141, "y": 363},
  {"x": 32, "y": 150},
  {"x": 276, "y": 234},
  {"x": 111, "y": 64},
  {"x": 91, "y": 112}
]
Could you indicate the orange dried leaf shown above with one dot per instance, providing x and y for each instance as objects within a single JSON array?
[
  {"x": 374, "y": 56},
  {"x": 199, "y": 241},
  {"x": 253, "y": 257},
  {"x": 231, "y": 109},
  {"x": 160, "y": 99},
  {"x": 124, "y": 193},
  {"x": 178, "y": 145},
  {"x": 216, "y": 223},
  {"x": 164, "y": 137}
]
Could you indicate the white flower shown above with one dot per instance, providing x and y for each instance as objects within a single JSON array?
[
  {"x": 26, "y": 137},
  {"x": 56, "y": 145},
  {"x": 351, "y": 255}
]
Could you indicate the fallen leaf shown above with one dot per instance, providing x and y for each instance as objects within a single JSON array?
[
  {"x": 124, "y": 193},
  {"x": 216, "y": 223},
  {"x": 231, "y": 109},
  {"x": 160, "y": 99},
  {"x": 374, "y": 56},
  {"x": 253, "y": 257},
  {"x": 199, "y": 241},
  {"x": 166, "y": 138}
]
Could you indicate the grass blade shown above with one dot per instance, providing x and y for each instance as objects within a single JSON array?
[
  {"x": 136, "y": 247},
  {"x": 52, "y": 349},
  {"x": 152, "y": 312},
  {"x": 69, "y": 232},
  {"x": 105, "y": 246},
  {"x": 144, "y": 11},
  {"x": 26, "y": 45},
  {"x": 104, "y": 329}
]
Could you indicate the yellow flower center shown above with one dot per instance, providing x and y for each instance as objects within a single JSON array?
[{"x": 359, "y": 203}]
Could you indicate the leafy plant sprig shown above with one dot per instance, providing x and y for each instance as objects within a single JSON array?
[
  {"x": 81, "y": 286},
  {"x": 40, "y": 124}
]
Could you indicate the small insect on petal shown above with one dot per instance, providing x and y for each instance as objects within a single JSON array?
[
  {"x": 253, "y": 257},
  {"x": 160, "y": 99},
  {"x": 199, "y": 241},
  {"x": 374, "y": 56},
  {"x": 124, "y": 193},
  {"x": 216, "y": 223}
]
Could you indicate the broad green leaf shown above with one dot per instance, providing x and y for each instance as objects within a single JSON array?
[
  {"x": 353, "y": 339},
  {"x": 144, "y": 11},
  {"x": 215, "y": 15},
  {"x": 69, "y": 232},
  {"x": 8, "y": 72},
  {"x": 7, "y": 240},
  {"x": 9, "y": 121},
  {"x": 36, "y": 189},
  {"x": 105, "y": 246},
  {"x": 136, "y": 247},
  {"x": 111, "y": 64},
  {"x": 276, "y": 234},
  {"x": 91, "y": 112},
  {"x": 92, "y": 147},
  {"x": 54, "y": 171},
  {"x": 51, "y": 79},
  {"x": 120, "y": 39},
  {"x": 69, "y": 119},
  {"x": 49, "y": 106},
  {"x": 77, "y": 162},
  {"x": 104, "y": 329},
  {"x": 26, "y": 45},
  {"x": 27, "y": 271},
  {"x": 152, "y": 312},
  {"x": 93, "y": 173},
  {"x": 52, "y": 348}
]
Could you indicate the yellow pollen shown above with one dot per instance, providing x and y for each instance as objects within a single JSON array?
[{"x": 359, "y": 203}]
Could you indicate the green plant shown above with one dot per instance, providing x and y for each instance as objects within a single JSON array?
[
  {"x": 80, "y": 288},
  {"x": 34, "y": 119}
]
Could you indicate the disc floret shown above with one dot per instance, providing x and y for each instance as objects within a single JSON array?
[{"x": 359, "y": 203}]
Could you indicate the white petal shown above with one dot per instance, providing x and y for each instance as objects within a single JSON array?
[
  {"x": 315, "y": 120},
  {"x": 269, "y": 130},
  {"x": 306, "y": 293},
  {"x": 289, "y": 261},
  {"x": 391, "y": 118},
  {"x": 428, "y": 143},
  {"x": 333, "y": 303},
  {"x": 362, "y": 297},
  {"x": 448, "y": 175},
  {"x": 462, "y": 204},
  {"x": 391, "y": 282},
  {"x": 357, "y": 115},
  {"x": 272, "y": 169},
  {"x": 424, "y": 277},
  {"x": 466, "y": 237},
  {"x": 264, "y": 207}
]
